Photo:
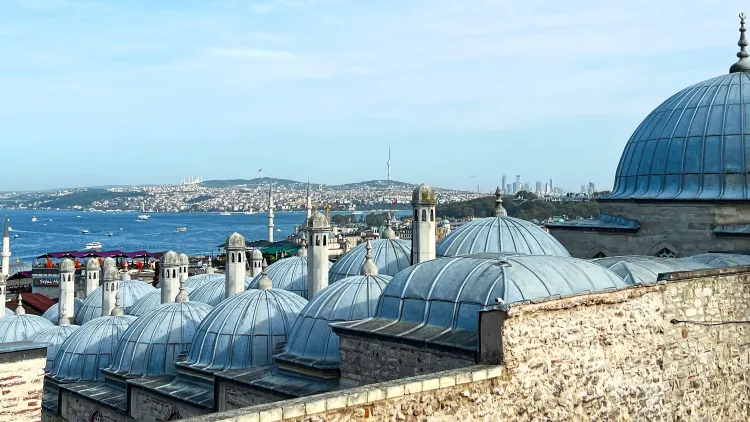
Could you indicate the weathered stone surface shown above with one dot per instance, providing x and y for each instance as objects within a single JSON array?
[
  {"x": 21, "y": 378},
  {"x": 147, "y": 406}
]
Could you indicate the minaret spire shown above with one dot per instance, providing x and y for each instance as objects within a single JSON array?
[
  {"x": 743, "y": 64},
  {"x": 5, "y": 254},
  {"x": 19, "y": 308},
  {"x": 270, "y": 213},
  {"x": 309, "y": 202},
  {"x": 499, "y": 211}
]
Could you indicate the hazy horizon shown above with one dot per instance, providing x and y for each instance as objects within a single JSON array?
[{"x": 108, "y": 93}]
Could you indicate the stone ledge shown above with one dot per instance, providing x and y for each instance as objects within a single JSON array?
[{"x": 355, "y": 397}]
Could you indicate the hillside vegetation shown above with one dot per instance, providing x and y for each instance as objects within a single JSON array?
[{"x": 530, "y": 209}]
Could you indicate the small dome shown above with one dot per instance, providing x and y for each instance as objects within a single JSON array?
[
  {"x": 92, "y": 264},
  {"x": 15, "y": 327},
  {"x": 391, "y": 256},
  {"x": 67, "y": 266},
  {"x": 437, "y": 301},
  {"x": 170, "y": 258},
  {"x": 130, "y": 292},
  {"x": 111, "y": 273},
  {"x": 54, "y": 338},
  {"x": 423, "y": 194},
  {"x": 500, "y": 235},
  {"x": 235, "y": 240},
  {"x": 52, "y": 313},
  {"x": 318, "y": 221},
  {"x": 288, "y": 274},
  {"x": 199, "y": 280},
  {"x": 243, "y": 331},
  {"x": 184, "y": 259},
  {"x": 719, "y": 260},
  {"x": 109, "y": 262},
  {"x": 152, "y": 343},
  {"x": 89, "y": 349},
  {"x": 311, "y": 341},
  {"x": 213, "y": 292},
  {"x": 257, "y": 254},
  {"x": 148, "y": 303},
  {"x": 645, "y": 269}
]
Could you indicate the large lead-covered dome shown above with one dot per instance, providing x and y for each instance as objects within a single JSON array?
[
  {"x": 130, "y": 292},
  {"x": 391, "y": 256},
  {"x": 691, "y": 147},
  {"x": 288, "y": 274}
]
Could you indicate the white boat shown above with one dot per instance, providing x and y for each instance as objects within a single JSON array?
[
  {"x": 143, "y": 217},
  {"x": 250, "y": 212},
  {"x": 78, "y": 216},
  {"x": 94, "y": 245},
  {"x": 226, "y": 213},
  {"x": 84, "y": 231},
  {"x": 109, "y": 234},
  {"x": 278, "y": 230},
  {"x": 33, "y": 219},
  {"x": 181, "y": 229},
  {"x": 15, "y": 236}
]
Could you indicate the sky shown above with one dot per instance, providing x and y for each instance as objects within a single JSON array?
[{"x": 111, "y": 92}]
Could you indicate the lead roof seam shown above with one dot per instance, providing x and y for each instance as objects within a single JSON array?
[
  {"x": 722, "y": 167},
  {"x": 701, "y": 168},
  {"x": 744, "y": 134}
]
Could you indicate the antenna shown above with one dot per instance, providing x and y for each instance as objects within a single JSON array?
[{"x": 389, "y": 164}]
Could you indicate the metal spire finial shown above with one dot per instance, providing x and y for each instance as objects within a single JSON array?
[
  {"x": 6, "y": 229},
  {"x": 369, "y": 267},
  {"x": 743, "y": 64},
  {"x": 303, "y": 248},
  {"x": 117, "y": 310},
  {"x": 499, "y": 211},
  {"x": 62, "y": 317},
  {"x": 19, "y": 308},
  {"x": 182, "y": 296},
  {"x": 265, "y": 282}
]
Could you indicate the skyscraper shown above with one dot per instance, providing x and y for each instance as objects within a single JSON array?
[
  {"x": 503, "y": 185},
  {"x": 538, "y": 186}
]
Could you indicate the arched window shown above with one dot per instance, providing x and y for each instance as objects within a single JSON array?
[
  {"x": 325, "y": 238},
  {"x": 232, "y": 257},
  {"x": 69, "y": 277},
  {"x": 96, "y": 417},
  {"x": 239, "y": 257},
  {"x": 432, "y": 215},
  {"x": 424, "y": 215},
  {"x": 174, "y": 273},
  {"x": 599, "y": 255},
  {"x": 666, "y": 253},
  {"x": 94, "y": 276},
  {"x": 416, "y": 214}
]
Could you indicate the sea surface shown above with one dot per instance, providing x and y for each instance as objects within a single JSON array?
[{"x": 57, "y": 231}]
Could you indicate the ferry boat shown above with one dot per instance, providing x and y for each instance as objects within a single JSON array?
[
  {"x": 226, "y": 213},
  {"x": 94, "y": 245},
  {"x": 33, "y": 219},
  {"x": 181, "y": 229},
  {"x": 278, "y": 230},
  {"x": 84, "y": 231}
]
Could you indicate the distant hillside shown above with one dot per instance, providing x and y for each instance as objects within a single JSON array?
[
  {"x": 252, "y": 183},
  {"x": 84, "y": 198},
  {"x": 373, "y": 184},
  {"x": 535, "y": 209}
]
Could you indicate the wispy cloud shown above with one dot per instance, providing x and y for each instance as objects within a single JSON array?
[{"x": 252, "y": 53}]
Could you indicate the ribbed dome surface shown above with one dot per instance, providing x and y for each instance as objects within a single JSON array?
[
  {"x": 720, "y": 260},
  {"x": 214, "y": 291},
  {"x": 151, "y": 345},
  {"x": 52, "y": 314},
  {"x": 438, "y": 301},
  {"x": 645, "y": 269},
  {"x": 288, "y": 274},
  {"x": 198, "y": 280},
  {"x": 89, "y": 349},
  {"x": 148, "y": 303},
  {"x": 391, "y": 256},
  {"x": 130, "y": 292},
  {"x": 311, "y": 341},
  {"x": 500, "y": 235},
  {"x": 20, "y": 327},
  {"x": 54, "y": 338},
  {"x": 691, "y": 147},
  {"x": 242, "y": 331}
]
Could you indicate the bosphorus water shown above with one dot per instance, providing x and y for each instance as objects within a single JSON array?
[{"x": 56, "y": 231}]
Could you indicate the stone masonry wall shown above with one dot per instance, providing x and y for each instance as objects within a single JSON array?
[
  {"x": 151, "y": 407},
  {"x": 686, "y": 227},
  {"x": 367, "y": 361},
  {"x": 78, "y": 409},
  {"x": 21, "y": 381},
  {"x": 612, "y": 356}
]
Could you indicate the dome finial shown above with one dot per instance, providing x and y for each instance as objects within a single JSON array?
[
  {"x": 743, "y": 64},
  {"x": 19, "y": 308},
  {"x": 182, "y": 296},
  {"x": 62, "y": 318},
  {"x": 369, "y": 267},
  {"x": 388, "y": 233},
  {"x": 264, "y": 283},
  {"x": 499, "y": 211},
  {"x": 302, "y": 249},
  {"x": 117, "y": 310}
]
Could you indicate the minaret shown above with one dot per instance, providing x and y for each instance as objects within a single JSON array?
[
  {"x": 264, "y": 283},
  {"x": 91, "y": 277},
  {"x": 184, "y": 264},
  {"x": 67, "y": 286},
  {"x": 743, "y": 64},
  {"x": 317, "y": 255},
  {"x": 389, "y": 164},
  {"x": 6, "y": 247},
  {"x": 423, "y": 227},
  {"x": 308, "y": 208},
  {"x": 499, "y": 211},
  {"x": 3, "y": 287},
  {"x": 107, "y": 263},
  {"x": 235, "y": 272},
  {"x": 270, "y": 214},
  {"x": 170, "y": 278},
  {"x": 110, "y": 289},
  {"x": 369, "y": 267},
  {"x": 256, "y": 262}
]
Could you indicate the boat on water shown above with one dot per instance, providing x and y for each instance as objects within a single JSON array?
[
  {"x": 94, "y": 245},
  {"x": 250, "y": 212},
  {"x": 181, "y": 229},
  {"x": 278, "y": 230},
  {"x": 33, "y": 219},
  {"x": 120, "y": 228},
  {"x": 84, "y": 231},
  {"x": 78, "y": 216},
  {"x": 143, "y": 216},
  {"x": 226, "y": 213},
  {"x": 15, "y": 236},
  {"x": 109, "y": 234}
]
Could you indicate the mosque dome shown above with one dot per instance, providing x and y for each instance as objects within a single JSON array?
[
  {"x": 214, "y": 291},
  {"x": 184, "y": 259},
  {"x": 691, "y": 146},
  {"x": 199, "y": 280},
  {"x": 318, "y": 221},
  {"x": 639, "y": 269},
  {"x": 8, "y": 312},
  {"x": 437, "y": 301},
  {"x": 152, "y": 343},
  {"x": 235, "y": 240},
  {"x": 288, "y": 274},
  {"x": 109, "y": 262},
  {"x": 54, "y": 338},
  {"x": 242, "y": 331},
  {"x": 256, "y": 254},
  {"x": 391, "y": 256},
  {"x": 92, "y": 264},
  {"x": 148, "y": 302},
  {"x": 311, "y": 341},
  {"x": 19, "y": 326},
  {"x": 130, "y": 292},
  {"x": 423, "y": 194},
  {"x": 52, "y": 313},
  {"x": 170, "y": 258},
  {"x": 720, "y": 260},
  {"x": 89, "y": 349},
  {"x": 67, "y": 266}
]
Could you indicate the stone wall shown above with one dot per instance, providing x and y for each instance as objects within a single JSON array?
[
  {"x": 21, "y": 381},
  {"x": 684, "y": 227},
  {"x": 148, "y": 406},
  {"x": 612, "y": 356},
  {"x": 368, "y": 361},
  {"x": 238, "y": 396},
  {"x": 74, "y": 408}
]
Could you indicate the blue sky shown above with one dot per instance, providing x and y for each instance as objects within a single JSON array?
[{"x": 114, "y": 92}]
